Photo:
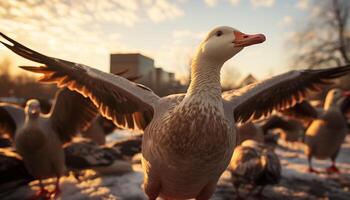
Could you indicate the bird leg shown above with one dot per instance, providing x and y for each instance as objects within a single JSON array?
[
  {"x": 41, "y": 194},
  {"x": 311, "y": 169},
  {"x": 57, "y": 191},
  {"x": 333, "y": 168},
  {"x": 236, "y": 185},
  {"x": 77, "y": 175}
]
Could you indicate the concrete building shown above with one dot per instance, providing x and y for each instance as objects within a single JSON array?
[
  {"x": 137, "y": 65},
  {"x": 160, "y": 81},
  {"x": 249, "y": 79}
]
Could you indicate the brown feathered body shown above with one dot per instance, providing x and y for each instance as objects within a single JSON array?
[
  {"x": 182, "y": 162},
  {"x": 41, "y": 151},
  {"x": 325, "y": 135},
  {"x": 254, "y": 165}
]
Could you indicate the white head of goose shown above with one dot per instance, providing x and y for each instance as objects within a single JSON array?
[
  {"x": 221, "y": 44},
  {"x": 333, "y": 97},
  {"x": 188, "y": 138},
  {"x": 32, "y": 109}
]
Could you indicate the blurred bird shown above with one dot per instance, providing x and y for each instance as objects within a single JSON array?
[
  {"x": 189, "y": 138},
  {"x": 38, "y": 138},
  {"x": 290, "y": 130},
  {"x": 13, "y": 172},
  {"x": 250, "y": 131},
  {"x": 98, "y": 130},
  {"x": 113, "y": 158},
  {"x": 255, "y": 165},
  {"x": 327, "y": 131}
]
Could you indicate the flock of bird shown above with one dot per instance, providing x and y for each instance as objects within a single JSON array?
[{"x": 188, "y": 139}]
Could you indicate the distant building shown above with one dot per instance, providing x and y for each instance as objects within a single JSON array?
[
  {"x": 160, "y": 81},
  {"x": 247, "y": 80},
  {"x": 136, "y": 64}
]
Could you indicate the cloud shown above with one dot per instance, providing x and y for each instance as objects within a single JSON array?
[
  {"x": 72, "y": 31},
  {"x": 286, "y": 21},
  {"x": 162, "y": 10},
  {"x": 122, "y": 12},
  {"x": 81, "y": 32},
  {"x": 262, "y": 3},
  {"x": 302, "y": 4},
  {"x": 316, "y": 11},
  {"x": 180, "y": 34},
  {"x": 211, "y": 3},
  {"x": 234, "y": 2},
  {"x": 175, "y": 54}
]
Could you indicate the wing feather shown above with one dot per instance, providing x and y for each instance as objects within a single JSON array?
[
  {"x": 116, "y": 97},
  {"x": 278, "y": 93}
]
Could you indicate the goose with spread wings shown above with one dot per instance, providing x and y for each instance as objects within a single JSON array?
[
  {"x": 188, "y": 138},
  {"x": 38, "y": 137}
]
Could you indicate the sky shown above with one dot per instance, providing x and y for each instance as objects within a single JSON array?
[{"x": 166, "y": 30}]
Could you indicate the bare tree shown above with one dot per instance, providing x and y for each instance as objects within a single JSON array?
[
  {"x": 325, "y": 40},
  {"x": 22, "y": 85}
]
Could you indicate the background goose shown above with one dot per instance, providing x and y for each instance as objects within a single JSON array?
[
  {"x": 189, "y": 138},
  {"x": 112, "y": 158},
  {"x": 254, "y": 164},
  {"x": 98, "y": 130},
  {"x": 289, "y": 129},
  {"x": 38, "y": 138},
  {"x": 326, "y": 133},
  {"x": 250, "y": 131},
  {"x": 12, "y": 170}
]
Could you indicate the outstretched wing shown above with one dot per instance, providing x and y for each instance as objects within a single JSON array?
[
  {"x": 71, "y": 113},
  {"x": 128, "y": 104},
  {"x": 277, "y": 93},
  {"x": 303, "y": 110}
]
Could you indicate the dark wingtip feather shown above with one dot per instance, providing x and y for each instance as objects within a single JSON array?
[
  {"x": 7, "y": 45},
  {"x": 32, "y": 69},
  {"x": 11, "y": 40},
  {"x": 339, "y": 71},
  {"x": 6, "y": 37}
]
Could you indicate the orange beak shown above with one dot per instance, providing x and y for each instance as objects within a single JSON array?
[{"x": 244, "y": 40}]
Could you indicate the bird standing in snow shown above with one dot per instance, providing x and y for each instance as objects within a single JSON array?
[
  {"x": 39, "y": 138},
  {"x": 328, "y": 127},
  {"x": 188, "y": 138},
  {"x": 326, "y": 133},
  {"x": 255, "y": 165}
]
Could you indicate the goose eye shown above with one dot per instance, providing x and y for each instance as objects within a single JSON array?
[{"x": 218, "y": 33}]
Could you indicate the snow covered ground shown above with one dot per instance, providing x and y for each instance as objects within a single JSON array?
[{"x": 295, "y": 184}]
